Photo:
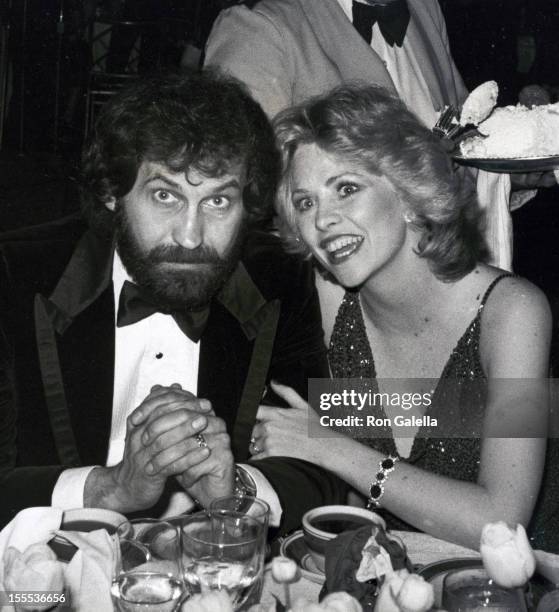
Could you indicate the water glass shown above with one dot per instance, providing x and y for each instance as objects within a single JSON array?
[
  {"x": 252, "y": 506},
  {"x": 222, "y": 550},
  {"x": 258, "y": 509},
  {"x": 467, "y": 590},
  {"x": 148, "y": 574}
]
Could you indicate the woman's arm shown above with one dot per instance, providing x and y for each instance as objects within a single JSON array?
[{"x": 515, "y": 344}]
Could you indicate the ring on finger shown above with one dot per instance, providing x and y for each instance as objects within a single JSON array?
[
  {"x": 200, "y": 440},
  {"x": 254, "y": 449}
]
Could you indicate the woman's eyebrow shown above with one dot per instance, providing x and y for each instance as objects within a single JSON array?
[{"x": 333, "y": 179}]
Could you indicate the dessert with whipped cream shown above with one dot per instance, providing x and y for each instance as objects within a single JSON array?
[
  {"x": 516, "y": 131},
  {"x": 479, "y": 103},
  {"x": 510, "y": 131}
]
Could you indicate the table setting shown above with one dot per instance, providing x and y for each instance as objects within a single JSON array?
[{"x": 218, "y": 560}]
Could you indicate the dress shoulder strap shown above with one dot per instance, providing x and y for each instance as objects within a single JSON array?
[{"x": 490, "y": 289}]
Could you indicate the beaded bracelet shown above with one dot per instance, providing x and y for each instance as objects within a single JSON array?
[{"x": 376, "y": 491}]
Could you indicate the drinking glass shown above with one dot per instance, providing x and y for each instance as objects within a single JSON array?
[
  {"x": 252, "y": 506},
  {"x": 222, "y": 550},
  {"x": 258, "y": 509},
  {"x": 147, "y": 575},
  {"x": 467, "y": 590}
]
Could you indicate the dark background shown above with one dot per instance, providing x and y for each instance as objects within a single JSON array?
[{"x": 514, "y": 42}]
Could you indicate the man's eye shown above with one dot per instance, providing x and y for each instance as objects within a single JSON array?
[
  {"x": 348, "y": 189},
  {"x": 303, "y": 204},
  {"x": 218, "y": 202},
  {"x": 164, "y": 196}
]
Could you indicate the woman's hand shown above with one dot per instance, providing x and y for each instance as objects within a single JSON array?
[{"x": 285, "y": 431}]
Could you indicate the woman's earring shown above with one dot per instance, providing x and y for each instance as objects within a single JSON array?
[{"x": 408, "y": 216}]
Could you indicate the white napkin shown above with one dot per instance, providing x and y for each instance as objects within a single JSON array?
[
  {"x": 89, "y": 573},
  {"x": 30, "y": 526},
  {"x": 493, "y": 192}
]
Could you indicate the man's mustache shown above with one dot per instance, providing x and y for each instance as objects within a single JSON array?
[{"x": 177, "y": 254}]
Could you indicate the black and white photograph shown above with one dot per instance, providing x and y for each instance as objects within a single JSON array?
[{"x": 279, "y": 292}]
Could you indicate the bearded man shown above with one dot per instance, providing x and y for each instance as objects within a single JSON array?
[{"x": 135, "y": 350}]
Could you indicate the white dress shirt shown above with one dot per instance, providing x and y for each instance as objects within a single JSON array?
[{"x": 151, "y": 352}]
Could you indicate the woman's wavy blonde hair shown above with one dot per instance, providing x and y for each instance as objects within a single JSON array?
[{"x": 371, "y": 127}]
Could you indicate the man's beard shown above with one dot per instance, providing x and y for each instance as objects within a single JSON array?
[{"x": 178, "y": 288}]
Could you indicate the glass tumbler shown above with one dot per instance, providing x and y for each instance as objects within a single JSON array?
[
  {"x": 258, "y": 509},
  {"x": 466, "y": 590},
  {"x": 222, "y": 550},
  {"x": 147, "y": 576}
]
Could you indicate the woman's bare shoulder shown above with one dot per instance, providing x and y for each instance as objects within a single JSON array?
[
  {"x": 515, "y": 329},
  {"x": 513, "y": 297}
]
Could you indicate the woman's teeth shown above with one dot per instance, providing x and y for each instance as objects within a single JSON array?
[{"x": 342, "y": 248}]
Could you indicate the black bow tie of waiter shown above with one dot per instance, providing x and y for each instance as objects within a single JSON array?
[
  {"x": 134, "y": 305},
  {"x": 392, "y": 18}
]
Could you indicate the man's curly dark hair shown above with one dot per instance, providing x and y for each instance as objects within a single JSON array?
[{"x": 205, "y": 121}]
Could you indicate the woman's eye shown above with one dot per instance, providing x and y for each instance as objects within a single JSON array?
[
  {"x": 218, "y": 202},
  {"x": 348, "y": 189},
  {"x": 164, "y": 196},
  {"x": 303, "y": 204}
]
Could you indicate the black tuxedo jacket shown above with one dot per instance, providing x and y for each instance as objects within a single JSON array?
[{"x": 57, "y": 359}]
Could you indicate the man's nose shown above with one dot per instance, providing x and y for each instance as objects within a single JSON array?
[
  {"x": 188, "y": 230},
  {"x": 327, "y": 214}
]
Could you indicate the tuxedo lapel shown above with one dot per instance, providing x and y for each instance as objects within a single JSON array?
[
  {"x": 257, "y": 376},
  {"x": 424, "y": 37},
  {"x": 343, "y": 45},
  {"x": 224, "y": 357},
  {"x": 419, "y": 39},
  {"x": 86, "y": 351},
  {"x": 233, "y": 370},
  {"x": 227, "y": 343},
  {"x": 235, "y": 353},
  {"x": 75, "y": 331},
  {"x": 85, "y": 278}
]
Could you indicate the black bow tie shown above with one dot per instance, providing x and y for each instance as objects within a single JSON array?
[
  {"x": 134, "y": 305},
  {"x": 392, "y": 18}
]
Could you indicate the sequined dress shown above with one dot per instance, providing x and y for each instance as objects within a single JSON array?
[{"x": 458, "y": 404}]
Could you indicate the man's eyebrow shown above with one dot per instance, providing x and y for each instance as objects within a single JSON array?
[
  {"x": 232, "y": 183},
  {"x": 161, "y": 177}
]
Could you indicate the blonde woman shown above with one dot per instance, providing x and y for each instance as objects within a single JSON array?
[{"x": 371, "y": 195}]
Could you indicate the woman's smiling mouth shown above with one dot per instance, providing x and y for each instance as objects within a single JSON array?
[{"x": 340, "y": 248}]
